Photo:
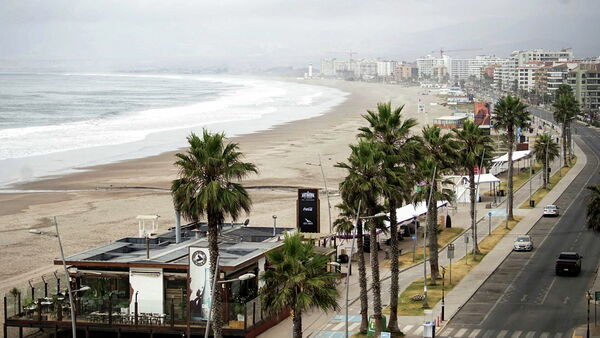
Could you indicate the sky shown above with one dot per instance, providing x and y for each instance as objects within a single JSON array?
[{"x": 258, "y": 34}]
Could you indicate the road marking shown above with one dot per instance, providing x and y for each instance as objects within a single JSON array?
[
  {"x": 530, "y": 334},
  {"x": 448, "y": 332},
  {"x": 516, "y": 334},
  {"x": 460, "y": 333},
  {"x": 338, "y": 326},
  {"x": 544, "y": 335},
  {"x": 502, "y": 334},
  {"x": 353, "y": 326},
  {"x": 418, "y": 330},
  {"x": 407, "y": 328},
  {"x": 488, "y": 333},
  {"x": 328, "y": 326},
  {"x": 566, "y": 300},
  {"x": 548, "y": 290},
  {"x": 523, "y": 299},
  {"x": 474, "y": 333},
  {"x": 558, "y": 335}
]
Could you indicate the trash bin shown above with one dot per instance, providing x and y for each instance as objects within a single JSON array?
[
  {"x": 501, "y": 192},
  {"x": 429, "y": 329},
  {"x": 343, "y": 258},
  {"x": 532, "y": 203},
  {"x": 371, "y": 330}
]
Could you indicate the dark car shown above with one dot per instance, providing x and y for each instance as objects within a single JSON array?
[{"x": 568, "y": 263}]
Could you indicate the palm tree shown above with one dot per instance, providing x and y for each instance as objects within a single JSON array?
[
  {"x": 392, "y": 135},
  {"x": 566, "y": 109},
  {"x": 298, "y": 280},
  {"x": 439, "y": 157},
  {"x": 365, "y": 181},
  {"x": 345, "y": 224},
  {"x": 510, "y": 115},
  {"x": 546, "y": 150},
  {"x": 593, "y": 212},
  {"x": 205, "y": 187},
  {"x": 475, "y": 151}
]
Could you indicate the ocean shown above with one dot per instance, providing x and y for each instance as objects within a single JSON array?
[{"x": 53, "y": 124}]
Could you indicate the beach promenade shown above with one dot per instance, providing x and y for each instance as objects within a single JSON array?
[{"x": 332, "y": 325}]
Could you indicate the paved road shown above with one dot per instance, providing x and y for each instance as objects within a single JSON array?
[{"x": 523, "y": 297}]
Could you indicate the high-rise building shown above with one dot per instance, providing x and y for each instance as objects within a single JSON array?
[
  {"x": 585, "y": 81},
  {"x": 385, "y": 68},
  {"x": 327, "y": 68}
]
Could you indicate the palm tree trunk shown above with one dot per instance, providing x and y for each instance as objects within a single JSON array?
[
  {"x": 297, "y": 321},
  {"x": 375, "y": 283},
  {"x": 432, "y": 233},
  {"x": 395, "y": 269},
  {"x": 362, "y": 279},
  {"x": 564, "y": 143},
  {"x": 545, "y": 173},
  {"x": 473, "y": 220},
  {"x": 213, "y": 248},
  {"x": 569, "y": 142},
  {"x": 509, "y": 199}
]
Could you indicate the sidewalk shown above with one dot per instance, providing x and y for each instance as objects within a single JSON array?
[{"x": 320, "y": 324}]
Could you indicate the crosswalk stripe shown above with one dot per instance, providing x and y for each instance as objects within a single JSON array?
[
  {"x": 338, "y": 326},
  {"x": 460, "y": 333},
  {"x": 418, "y": 330},
  {"x": 448, "y": 332},
  {"x": 558, "y": 335},
  {"x": 530, "y": 334},
  {"x": 407, "y": 328},
  {"x": 353, "y": 326},
  {"x": 545, "y": 335},
  {"x": 516, "y": 334},
  {"x": 474, "y": 333},
  {"x": 488, "y": 334},
  {"x": 502, "y": 334}
]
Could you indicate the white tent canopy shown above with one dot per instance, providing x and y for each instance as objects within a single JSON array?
[
  {"x": 484, "y": 178},
  {"x": 517, "y": 155},
  {"x": 408, "y": 212}
]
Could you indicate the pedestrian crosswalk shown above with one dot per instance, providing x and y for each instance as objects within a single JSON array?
[{"x": 451, "y": 332}]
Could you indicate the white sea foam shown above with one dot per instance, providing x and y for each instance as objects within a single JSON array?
[{"x": 264, "y": 102}]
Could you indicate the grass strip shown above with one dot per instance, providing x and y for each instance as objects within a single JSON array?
[
  {"x": 460, "y": 268},
  {"x": 541, "y": 192}
]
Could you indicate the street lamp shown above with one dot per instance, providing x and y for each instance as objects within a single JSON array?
[
  {"x": 326, "y": 190},
  {"x": 425, "y": 304},
  {"x": 443, "y": 302},
  {"x": 588, "y": 296},
  {"x": 274, "y": 225}
]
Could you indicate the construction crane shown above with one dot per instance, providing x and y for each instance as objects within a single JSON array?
[
  {"x": 350, "y": 53},
  {"x": 442, "y": 51}
]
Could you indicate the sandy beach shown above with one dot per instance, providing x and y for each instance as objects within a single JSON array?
[{"x": 100, "y": 205}]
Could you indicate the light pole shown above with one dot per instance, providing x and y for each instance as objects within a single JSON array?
[
  {"x": 425, "y": 304},
  {"x": 274, "y": 225},
  {"x": 326, "y": 190},
  {"x": 350, "y": 266},
  {"x": 443, "y": 301},
  {"x": 588, "y": 296},
  {"x": 62, "y": 255}
]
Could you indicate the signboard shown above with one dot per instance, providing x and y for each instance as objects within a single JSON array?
[
  {"x": 308, "y": 210},
  {"x": 200, "y": 283},
  {"x": 489, "y": 214},
  {"x": 466, "y": 238},
  {"x": 450, "y": 251},
  {"x": 597, "y": 296}
]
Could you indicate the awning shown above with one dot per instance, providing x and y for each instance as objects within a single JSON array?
[
  {"x": 484, "y": 178},
  {"x": 517, "y": 155},
  {"x": 408, "y": 212}
]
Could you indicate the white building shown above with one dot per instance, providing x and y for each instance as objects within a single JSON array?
[
  {"x": 432, "y": 67},
  {"x": 385, "y": 68},
  {"x": 526, "y": 75},
  {"x": 327, "y": 68}
]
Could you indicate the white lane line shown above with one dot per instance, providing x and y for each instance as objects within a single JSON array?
[
  {"x": 338, "y": 326},
  {"x": 474, "y": 333},
  {"x": 418, "y": 330},
  {"x": 548, "y": 290},
  {"x": 502, "y": 334},
  {"x": 460, "y": 333},
  {"x": 516, "y": 334},
  {"x": 407, "y": 328},
  {"x": 353, "y": 326}
]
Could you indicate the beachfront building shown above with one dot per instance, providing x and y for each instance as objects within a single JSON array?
[
  {"x": 585, "y": 81},
  {"x": 405, "y": 71},
  {"x": 430, "y": 67},
  {"x": 450, "y": 122},
  {"x": 159, "y": 284}
]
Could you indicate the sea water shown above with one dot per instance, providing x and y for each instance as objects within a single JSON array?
[{"x": 56, "y": 123}]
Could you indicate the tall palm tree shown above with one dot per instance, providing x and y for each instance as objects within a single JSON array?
[
  {"x": 298, "y": 280},
  {"x": 366, "y": 181},
  {"x": 510, "y": 115},
  {"x": 546, "y": 150},
  {"x": 593, "y": 212},
  {"x": 392, "y": 134},
  {"x": 440, "y": 157},
  {"x": 206, "y": 187},
  {"x": 475, "y": 151},
  {"x": 345, "y": 224},
  {"x": 566, "y": 109}
]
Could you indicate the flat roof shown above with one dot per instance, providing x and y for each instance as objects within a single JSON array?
[
  {"x": 237, "y": 244},
  {"x": 451, "y": 118}
]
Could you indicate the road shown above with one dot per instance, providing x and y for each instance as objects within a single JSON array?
[{"x": 523, "y": 297}]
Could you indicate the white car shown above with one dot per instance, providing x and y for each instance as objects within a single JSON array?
[
  {"x": 551, "y": 210},
  {"x": 523, "y": 243}
]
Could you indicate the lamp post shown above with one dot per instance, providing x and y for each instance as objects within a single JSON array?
[
  {"x": 425, "y": 304},
  {"x": 350, "y": 266},
  {"x": 588, "y": 296},
  {"x": 62, "y": 255},
  {"x": 326, "y": 190},
  {"x": 443, "y": 301},
  {"x": 274, "y": 225}
]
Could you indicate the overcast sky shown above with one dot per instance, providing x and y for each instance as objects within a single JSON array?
[{"x": 241, "y": 34}]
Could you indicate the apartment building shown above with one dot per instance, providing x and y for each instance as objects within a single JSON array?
[
  {"x": 527, "y": 74},
  {"x": 585, "y": 81},
  {"x": 386, "y": 68},
  {"x": 433, "y": 68}
]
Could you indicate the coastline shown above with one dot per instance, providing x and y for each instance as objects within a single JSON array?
[{"x": 100, "y": 204}]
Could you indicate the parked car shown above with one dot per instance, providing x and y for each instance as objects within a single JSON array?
[
  {"x": 551, "y": 210},
  {"x": 568, "y": 263},
  {"x": 523, "y": 243}
]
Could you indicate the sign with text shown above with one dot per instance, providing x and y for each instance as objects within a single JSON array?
[
  {"x": 308, "y": 210},
  {"x": 450, "y": 251},
  {"x": 200, "y": 278}
]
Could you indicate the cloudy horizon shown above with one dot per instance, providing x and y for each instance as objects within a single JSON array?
[{"x": 237, "y": 34}]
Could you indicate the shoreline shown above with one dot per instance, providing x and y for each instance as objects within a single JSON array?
[{"x": 93, "y": 211}]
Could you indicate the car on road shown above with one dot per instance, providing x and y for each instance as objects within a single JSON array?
[
  {"x": 523, "y": 243},
  {"x": 551, "y": 210},
  {"x": 568, "y": 263}
]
